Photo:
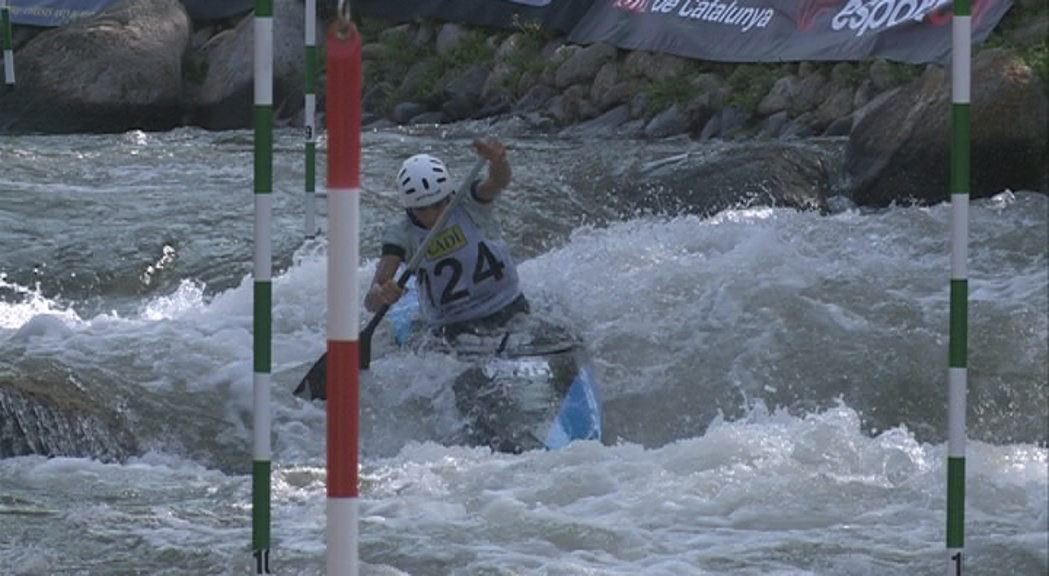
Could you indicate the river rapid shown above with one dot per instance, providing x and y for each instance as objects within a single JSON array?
[{"x": 774, "y": 380}]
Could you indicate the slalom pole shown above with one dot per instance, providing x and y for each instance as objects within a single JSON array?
[
  {"x": 343, "y": 387},
  {"x": 261, "y": 452},
  {"x": 9, "y": 52},
  {"x": 957, "y": 374},
  {"x": 310, "y": 115}
]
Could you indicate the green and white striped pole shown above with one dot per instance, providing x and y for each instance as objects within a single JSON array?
[
  {"x": 261, "y": 453},
  {"x": 957, "y": 376},
  {"x": 9, "y": 52},
  {"x": 310, "y": 114}
]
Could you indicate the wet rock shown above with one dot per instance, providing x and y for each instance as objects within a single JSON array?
[
  {"x": 67, "y": 80},
  {"x": 535, "y": 99},
  {"x": 463, "y": 93},
  {"x": 709, "y": 180},
  {"x": 669, "y": 122},
  {"x": 900, "y": 149},
  {"x": 604, "y": 125},
  {"x": 405, "y": 111},
  {"x": 50, "y": 415},
  {"x": 582, "y": 67},
  {"x": 226, "y": 98}
]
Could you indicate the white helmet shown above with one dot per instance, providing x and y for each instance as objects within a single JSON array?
[{"x": 423, "y": 180}]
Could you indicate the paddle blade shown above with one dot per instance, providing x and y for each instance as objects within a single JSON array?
[{"x": 315, "y": 385}]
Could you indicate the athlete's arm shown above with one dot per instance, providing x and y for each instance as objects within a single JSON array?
[
  {"x": 384, "y": 290},
  {"x": 498, "y": 169}
]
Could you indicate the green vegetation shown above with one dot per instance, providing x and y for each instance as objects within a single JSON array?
[
  {"x": 533, "y": 31},
  {"x": 524, "y": 59},
  {"x": 401, "y": 51},
  {"x": 473, "y": 48},
  {"x": 1037, "y": 57},
  {"x": 676, "y": 88},
  {"x": 901, "y": 73},
  {"x": 747, "y": 84},
  {"x": 850, "y": 74},
  {"x": 750, "y": 83}
]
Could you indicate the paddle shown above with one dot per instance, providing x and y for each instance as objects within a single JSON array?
[{"x": 316, "y": 378}]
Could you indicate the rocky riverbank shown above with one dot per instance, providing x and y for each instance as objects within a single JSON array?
[{"x": 895, "y": 118}]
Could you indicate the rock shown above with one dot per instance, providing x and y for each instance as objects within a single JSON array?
[
  {"x": 466, "y": 88},
  {"x": 711, "y": 129},
  {"x": 396, "y": 34},
  {"x": 403, "y": 112},
  {"x": 50, "y": 415},
  {"x": 227, "y": 97},
  {"x": 1032, "y": 34},
  {"x": 116, "y": 71},
  {"x": 497, "y": 81},
  {"x": 493, "y": 106},
  {"x": 735, "y": 175},
  {"x": 637, "y": 63},
  {"x": 840, "y": 127},
  {"x": 566, "y": 108},
  {"x": 375, "y": 95},
  {"x": 669, "y": 122},
  {"x": 632, "y": 129},
  {"x": 781, "y": 96},
  {"x": 900, "y": 148},
  {"x": 583, "y": 65},
  {"x": 426, "y": 118},
  {"x": 733, "y": 121},
  {"x": 810, "y": 93},
  {"x": 799, "y": 127},
  {"x": 639, "y": 104},
  {"x": 603, "y": 83},
  {"x": 880, "y": 75},
  {"x": 373, "y": 51},
  {"x": 604, "y": 125},
  {"x": 862, "y": 95},
  {"x": 536, "y": 98},
  {"x": 838, "y": 105},
  {"x": 449, "y": 37},
  {"x": 774, "y": 124}
]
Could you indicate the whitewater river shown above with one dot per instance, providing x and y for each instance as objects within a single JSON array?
[{"x": 775, "y": 381}]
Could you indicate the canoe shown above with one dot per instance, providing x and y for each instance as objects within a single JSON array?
[{"x": 528, "y": 385}]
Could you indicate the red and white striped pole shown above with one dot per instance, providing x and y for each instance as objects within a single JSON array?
[{"x": 344, "y": 182}]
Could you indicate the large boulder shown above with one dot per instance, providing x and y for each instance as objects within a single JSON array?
[
  {"x": 49, "y": 414},
  {"x": 706, "y": 180},
  {"x": 225, "y": 100},
  {"x": 899, "y": 149},
  {"x": 118, "y": 70}
]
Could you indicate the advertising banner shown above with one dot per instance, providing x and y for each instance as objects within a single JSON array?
[
  {"x": 50, "y": 13},
  {"x": 556, "y": 15},
  {"x": 913, "y": 31}
]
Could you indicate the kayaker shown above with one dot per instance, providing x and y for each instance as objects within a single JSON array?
[{"x": 468, "y": 279}]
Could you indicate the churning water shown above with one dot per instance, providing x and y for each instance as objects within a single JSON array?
[{"x": 775, "y": 381}]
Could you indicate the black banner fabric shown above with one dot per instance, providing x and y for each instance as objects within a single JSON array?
[
  {"x": 558, "y": 15},
  {"x": 913, "y": 31},
  {"x": 217, "y": 9}
]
